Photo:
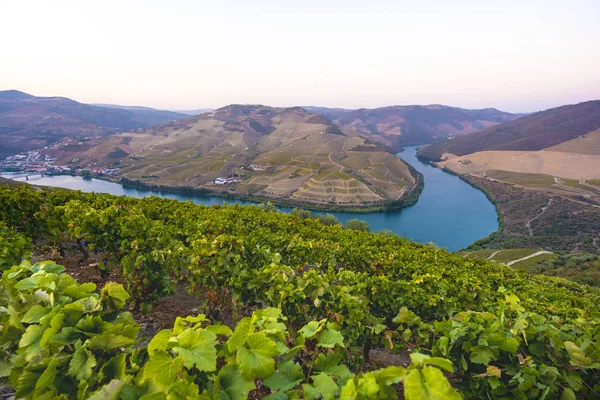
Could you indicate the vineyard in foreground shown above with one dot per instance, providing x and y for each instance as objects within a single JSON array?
[{"x": 334, "y": 295}]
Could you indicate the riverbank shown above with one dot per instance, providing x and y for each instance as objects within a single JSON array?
[
  {"x": 528, "y": 218},
  {"x": 447, "y": 211},
  {"x": 405, "y": 201}
]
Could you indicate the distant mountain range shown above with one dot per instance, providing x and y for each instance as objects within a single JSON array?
[
  {"x": 533, "y": 132},
  {"x": 141, "y": 108},
  {"x": 28, "y": 122},
  {"x": 398, "y": 126}
]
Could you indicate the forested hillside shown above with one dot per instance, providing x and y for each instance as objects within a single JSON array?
[{"x": 341, "y": 294}]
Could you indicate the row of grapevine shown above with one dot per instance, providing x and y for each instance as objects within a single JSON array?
[
  {"x": 508, "y": 334},
  {"x": 62, "y": 340}
]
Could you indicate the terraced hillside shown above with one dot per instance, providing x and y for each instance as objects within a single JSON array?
[
  {"x": 282, "y": 154},
  {"x": 398, "y": 126}
]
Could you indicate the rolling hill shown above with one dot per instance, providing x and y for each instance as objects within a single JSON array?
[
  {"x": 543, "y": 173},
  {"x": 398, "y": 126},
  {"x": 28, "y": 122},
  {"x": 532, "y": 132},
  {"x": 282, "y": 154}
]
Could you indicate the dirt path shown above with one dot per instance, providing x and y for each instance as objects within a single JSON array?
[
  {"x": 334, "y": 163},
  {"x": 493, "y": 255},
  {"x": 537, "y": 253},
  {"x": 537, "y": 216}
]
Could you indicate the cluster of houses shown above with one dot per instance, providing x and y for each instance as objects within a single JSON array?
[
  {"x": 226, "y": 181},
  {"x": 31, "y": 161},
  {"x": 35, "y": 162}
]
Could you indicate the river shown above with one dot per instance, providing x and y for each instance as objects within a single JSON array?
[{"x": 450, "y": 212}]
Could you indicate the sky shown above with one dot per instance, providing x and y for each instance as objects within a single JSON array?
[{"x": 518, "y": 56}]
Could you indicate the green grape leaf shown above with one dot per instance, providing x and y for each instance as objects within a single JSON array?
[
  {"x": 325, "y": 385},
  {"x": 231, "y": 385},
  {"x": 240, "y": 335},
  {"x": 34, "y": 314},
  {"x": 481, "y": 355},
  {"x": 159, "y": 341},
  {"x": 220, "y": 330},
  {"x": 26, "y": 384},
  {"x": 330, "y": 338},
  {"x": 163, "y": 369},
  {"x": 114, "y": 368},
  {"x": 368, "y": 387},
  {"x": 110, "y": 391},
  {"x": 32, "y": 335},
  {"x": 197, "y": 348},
  {"x": 114, "y": 296},
  {"x": 183, "y": 390},
  {"x": 418, "y": 358},
  {"x": 55, "y": 325},
  {"x": 390, "y": 375},
  {"x": 289, "y": 374},
  {"x": 256, "y": 360},
  {"x": 108, "y": 341},
  {"x": 568, "y": 394},
  {"x": 312, "y": 328},
  {"x": 5, "y": 368},
  {"x": 348, "y": 391},
  {"x": 505, "y": 343},
  {"x": 310, "y": 392},
  {"x": 576, "y": 355},
  {"x": 440, "y": 363},
  {"x": 47, "y": 378},
  {"x": 428, "y": 384},
  {"x": 81, "y": 365}
]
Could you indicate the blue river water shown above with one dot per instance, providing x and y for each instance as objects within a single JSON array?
[{"x": 449, "y": 213}]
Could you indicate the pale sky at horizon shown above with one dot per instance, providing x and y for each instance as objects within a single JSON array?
[{"x": 517, "y": 56}]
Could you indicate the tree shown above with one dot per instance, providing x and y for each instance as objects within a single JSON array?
[
  {"x": 86, "y": 174},
  {"x": 357, "y": 225},
  {"x": 328, "y": 219},
  {"x": 302, "y": 214}
]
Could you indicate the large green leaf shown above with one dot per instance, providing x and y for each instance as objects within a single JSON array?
[
  {"x": 312, "y": 328},
  {"x": 330, "y": 338},
  {"x": 576, "y": 355},
  {"x": 114, "y": 296},
  {"x": 108, "y": 341},
  {"x": 32, "y": 334},
  {"x": 113, "y": 369},
  {"x": 231, "y": 385},
  {"x": 197, "y": 348},
  {"x": 5, "y": 368},
  {"x": 47, "y": 378},
  {"x": 428, "y": 384},
  {"x": 81, "y": 365},
  {"x": 256, "y": 358},
  {"x": 159, "y": 341},
  {"x": 55, "y": 325},
  {"x": 34, "y": 314},
  {"x": 163, "y": 369},
  {"x": 289, "y": 374},
  {"x": 110, "y": 391},
  {"x": 325, "y": 385},
  {"x": 240, "y": 334},
  {"x": 504, "y": 342},
  {"x": 481, "y": 355}
]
